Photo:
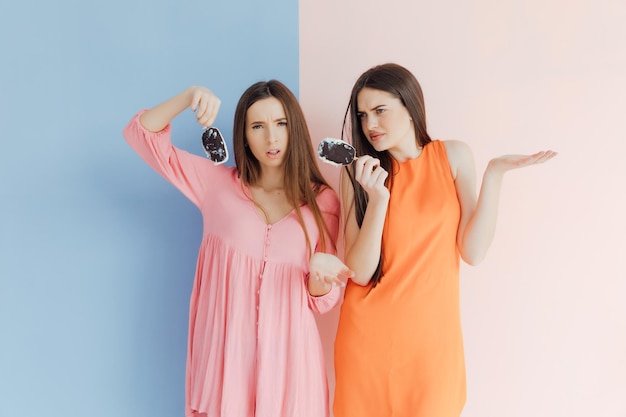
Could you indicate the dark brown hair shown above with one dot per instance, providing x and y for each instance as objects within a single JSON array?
[
  {"x": 303, "y": 179},
  {"x": 402, "y": 84}
]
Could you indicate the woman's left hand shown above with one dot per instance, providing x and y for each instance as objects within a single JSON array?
[
  {"x": 506, "y": 163},
  {"x": 325, "y": 271}
]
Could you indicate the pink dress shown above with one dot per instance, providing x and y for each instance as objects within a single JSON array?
[{"x": 254, "y": 348}]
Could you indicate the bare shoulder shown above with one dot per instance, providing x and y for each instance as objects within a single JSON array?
[
  {"x": 457, "y": 148},
  {"x": 460, "y": 155},
  {"x": 327, "y": 198}
]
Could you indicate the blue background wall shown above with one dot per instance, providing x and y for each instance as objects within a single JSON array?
[{"x": 97, "y": 252}]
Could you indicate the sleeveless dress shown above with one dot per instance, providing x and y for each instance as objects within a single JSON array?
[
  {"x": 399, "y": 346},
  {"x": 254, "y": 347}
]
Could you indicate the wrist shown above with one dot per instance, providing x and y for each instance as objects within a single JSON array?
[
  {"x": 188, "y": 95},
  {"x": 379, "y": 199},
  {"x": 493, "y": 171}
]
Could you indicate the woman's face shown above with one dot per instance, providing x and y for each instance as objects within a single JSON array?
[
  {"x": 267, "y": 133},
  {"x": 385, "y": 121}
]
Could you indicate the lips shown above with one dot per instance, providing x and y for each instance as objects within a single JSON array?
[
  {"x": 273, "y": 153},
  {"x": 376, "y": 136}
]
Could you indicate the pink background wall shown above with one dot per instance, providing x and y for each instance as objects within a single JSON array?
[{"x": 545, "y": 314}]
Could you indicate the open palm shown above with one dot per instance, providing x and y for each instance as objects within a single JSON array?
[{"x": 508, "y": 162}]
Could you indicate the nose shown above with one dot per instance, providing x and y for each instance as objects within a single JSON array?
[
  {"x": 271, "y": 135},
  {"x": 370, "y": 122}
]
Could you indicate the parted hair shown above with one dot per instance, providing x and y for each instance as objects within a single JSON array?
[
  {"x": 402, "y": 84},
  {"x": 303, "y": 179}
]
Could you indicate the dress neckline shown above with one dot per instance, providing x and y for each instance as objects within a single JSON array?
[{"x": 247, "y": 194}]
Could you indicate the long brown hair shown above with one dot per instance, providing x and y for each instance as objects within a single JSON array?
[
  {"x": 402, "y": 84},
  {"x": 303, "y": 179}
]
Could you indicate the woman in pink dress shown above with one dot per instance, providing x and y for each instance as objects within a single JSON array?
[{"x": 269, "y": 224}]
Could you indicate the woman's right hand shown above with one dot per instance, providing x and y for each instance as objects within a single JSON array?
[
  {"x": 205, "y": 104},
  {"x": 371, "y": 176},
  {"x": 200, "y": 99}
]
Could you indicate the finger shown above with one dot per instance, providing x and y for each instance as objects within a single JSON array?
[
  {"x": 202, "y": 106},
  {"x": 347, "y": 273},
  {"x": 217, "y": 104},
  {"x": 373, "y": 181},
  {"x": 358, "y": 166},
  {"x": 326, "y": 281},
  {"x": 195, "y": 99},
  {"x": 542, "y": 157},
  {"x": 548, "y": 155},
  {"x": 369, "y": 167},
  {"x": 206, "y": 120},
  {"x": 378, "y": 177},
  {"x": 339, "y": 283},
  {"x": 330, "y": 280},
  {"x": 363, "y": 161},
  {"x": 212, "y": 111}
]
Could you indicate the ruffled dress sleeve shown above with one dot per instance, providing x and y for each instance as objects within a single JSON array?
[{"x": 185, "y": 171}]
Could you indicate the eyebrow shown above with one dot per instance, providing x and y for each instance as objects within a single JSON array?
[
  {"x": 373, "y": 108},
  {"x": 274, "y": 121}
]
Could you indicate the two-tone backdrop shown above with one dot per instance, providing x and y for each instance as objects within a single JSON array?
[{"x": 97, "y": 252}]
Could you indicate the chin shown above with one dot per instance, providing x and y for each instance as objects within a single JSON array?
[{"x": 379, "y": 147}]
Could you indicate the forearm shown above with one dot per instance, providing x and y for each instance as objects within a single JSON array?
[
  {"x": 480, "y": 229},
  {"x": 157, "y": 118},
  {"x": 364, "y": 254}
]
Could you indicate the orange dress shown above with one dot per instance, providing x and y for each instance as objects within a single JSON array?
[{"x": 399, "y": 346}]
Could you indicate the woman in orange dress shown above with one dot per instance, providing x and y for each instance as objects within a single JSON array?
[{"x": 411, "y": 214}]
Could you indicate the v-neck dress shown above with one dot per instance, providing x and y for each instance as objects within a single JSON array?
[
  {"x": 399, "y": 346},
  {"x": 254, "y": 347}
]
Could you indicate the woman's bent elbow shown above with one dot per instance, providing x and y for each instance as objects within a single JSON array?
[
  {"x": 472, "y": 259},
  {"x": 360, "y": 280}
]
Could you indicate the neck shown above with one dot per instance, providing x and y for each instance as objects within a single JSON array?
[
  {"x": 410, "y": 151},
  {"x": 271, "y": 180}
]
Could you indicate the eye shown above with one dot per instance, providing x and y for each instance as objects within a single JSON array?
[
  {"x": 360, "y": 115},
  {"x": 282, "y": 123},
  {"x": 380, "y": 111},
  {"x": 255, "y": 127}
]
